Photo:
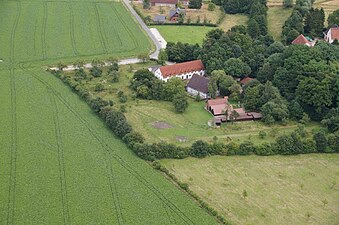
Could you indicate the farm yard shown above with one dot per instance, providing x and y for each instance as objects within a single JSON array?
[
  {"x": 271, "y": 190},
  {"x": 59, "y": 163},
  {"x": 185, "y": 128}
]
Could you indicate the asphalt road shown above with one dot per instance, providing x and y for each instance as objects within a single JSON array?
[{"x": 155, "y": 54}]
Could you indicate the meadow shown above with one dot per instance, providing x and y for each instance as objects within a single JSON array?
[
  {"x": 184, "y": 34},
  {"x": 59, "y": 163},
  {"x": 301, "y": 189}
]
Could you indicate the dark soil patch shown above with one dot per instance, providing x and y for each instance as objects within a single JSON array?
[
  {"x": 161, "y": 125},
  {"x": 181, "y": 138}
]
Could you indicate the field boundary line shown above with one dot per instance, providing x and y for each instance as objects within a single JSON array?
[
  {"x": 135, "y": 43},
  {"x": 61, "y": 159},
  {"x": 99, "y": 28},
  {"x": 43, "y": 32},
  {"x": 162, "y": 197},
  {"x": 13, "y": 154},
  {"x": 75, "y": 51}
]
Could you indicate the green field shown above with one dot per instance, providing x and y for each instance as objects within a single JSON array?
[
  {"x": 294, "y": 190},
  {"x": 59, "y": 163},
  {"x": 276, "y": 17},
  {"x": 52, "y": 31},
  {"x": 184, "y": 34}
]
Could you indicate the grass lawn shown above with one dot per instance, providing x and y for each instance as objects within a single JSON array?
[
  {"x": 300, "y": 189},
  {"x": 185, "y": 34},
  {"x": 276, "y": 17},
  {"x": 231, "y": 20},
  {"x": 59, "y": 163}
]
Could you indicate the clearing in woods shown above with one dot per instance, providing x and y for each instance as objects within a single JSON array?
[
  {"x": 59, "y": 163},
  {"x": 274, "y": 190}
]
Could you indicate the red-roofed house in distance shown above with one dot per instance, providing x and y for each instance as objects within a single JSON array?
[
  {"x": 170, "y": 3},
  {"x": 181, "y": 70},
  {"x": 302, "y": 40},
  {"x": 245, "y": 81},
  {"x": 332, "y": 34}
]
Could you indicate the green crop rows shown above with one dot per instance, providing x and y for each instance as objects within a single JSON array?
[{"x": 59, "y": 164}]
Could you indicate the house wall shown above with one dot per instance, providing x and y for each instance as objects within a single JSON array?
[
  {"x": 194, "y": 92},
  {"x": 183, "y": 76}
]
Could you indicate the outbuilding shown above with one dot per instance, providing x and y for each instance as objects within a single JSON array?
[{"x": 198, "y": 85}]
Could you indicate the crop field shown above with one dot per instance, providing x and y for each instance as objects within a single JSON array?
[
  {"x": 59, "y": 163},
  {"x": 53, "y": 31},
  {"x": 272, "y": 190}
]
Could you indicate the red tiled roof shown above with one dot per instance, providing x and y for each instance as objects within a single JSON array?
[
  {"x": 301, "y": 40},
  {"x": 335, "y": 33},
  {"x": 165, "y": 1},
  {"x": 246, "y": 80},
  {"x": 180, "y": 68},
  {"x": 217, "y": 106}
]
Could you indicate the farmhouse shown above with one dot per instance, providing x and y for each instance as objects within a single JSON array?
[
  {"x": 182, "y": 70},
  {"x": 174, "y": 14},
  {"x": 302, "y": 40},
  {"x": 198, "y": 85},
  {"x": 170, "y": 3},
  {"x": 332, "y": 34},
  {"x": 223, "y": 111}
]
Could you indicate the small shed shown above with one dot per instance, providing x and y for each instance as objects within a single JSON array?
[{"x": 159, "y": 19}]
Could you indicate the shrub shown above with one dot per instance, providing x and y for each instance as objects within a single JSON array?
[
  {"x": 200, "y": 149},
  {"x": 133, "y": 137},
  {"x": 211, "y": 6},
  {"x": 99, "y": 87},
  {"x": 95, "y": 71}
]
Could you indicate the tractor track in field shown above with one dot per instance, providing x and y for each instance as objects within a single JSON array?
[
  {"x": 117, "y": 158},
  {"x": 75, "y": 51},
  {"x": 43, "y": 32},
  {"x": 13, "y": 154},
  {"x": 135, "y": 43},
  {"x": 61, "y": 159},
  {"x": 97, "y": 18}
]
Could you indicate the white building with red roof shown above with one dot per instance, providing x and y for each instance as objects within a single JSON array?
[
  {"x": 301, "y": 40},
  {"x": 332, "y": 34},
  {"x": 181, "y": 70}
]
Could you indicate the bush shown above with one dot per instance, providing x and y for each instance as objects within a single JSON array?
[
  {"x": 99, "y": 87},
  {"x": 200, "y": 149},
  {"x": 95, "y": 71},
  {"x": 211, "y": 6},
  {"x": 246, "y": 148},
  {"x": 132, "y": 138}
]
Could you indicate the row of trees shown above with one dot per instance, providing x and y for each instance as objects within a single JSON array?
[
  {"x": 287, "y": 144},
  {"x": 147, "y": 86}
]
